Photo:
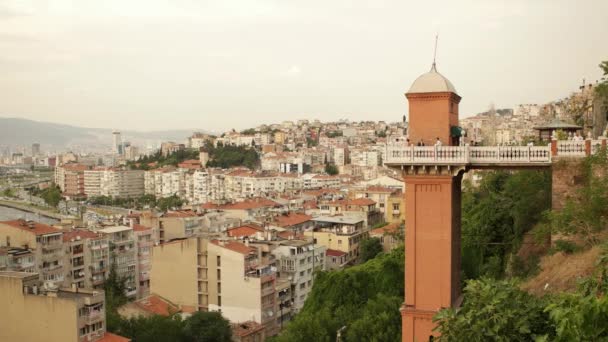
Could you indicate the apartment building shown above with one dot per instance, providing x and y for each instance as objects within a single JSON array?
[
  {"x": 364, "y": 157},
  {"x": 314, "y": 181},
  {"x": 43, "y": 241},
  {"x": 297, "y": 260},
  {"x": 114, "y": 182},
  {"x": 144, "y": 237},
  {"x": 70, "y": 179},
  {"x": 341, "y": 155},
  {"x": 123, "y": 255},
  {"x": 173, "y": 224},
  {"x": 226, "y": 276},
  {"x": 255, "y": 209},
  {"x": 87, "y": 258},
  {"x": 342, "y": 233},
  {"x": 32, "y": 312}
]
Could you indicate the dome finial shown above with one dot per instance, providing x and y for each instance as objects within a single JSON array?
[{"x": 434, "y": 67}]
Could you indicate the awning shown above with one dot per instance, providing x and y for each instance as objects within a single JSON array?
[{"x": 456, "y": 131}]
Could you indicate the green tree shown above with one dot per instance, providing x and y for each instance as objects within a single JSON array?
[
  {"x": 586, "y": 214},
  {"x": 378, "y": 322},
  {"x": 155, "y": 328},
  {"x": 494, "y": 310},
  {"x": 207, "y": 327},
  {"x": 331, "y": 169},
  {"x": 8, "y": 192},
  {"x": 351, "y": 298},
  {"x": 370, "y": 248},
  {"x": 51, "y": 195},
  {"x": 167, "y": 203}
]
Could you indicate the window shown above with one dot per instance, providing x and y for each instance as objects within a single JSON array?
[
  {"x": 219, "y": 300},
  {"x": 395, "y": 206},
  {"x": 219, "y": 261},
  {"x": 339, "y": 241},
  {"x": 302, "y": 274},
  {"x": 219, "y": 275},
  {"x": 302, "y": 286}
]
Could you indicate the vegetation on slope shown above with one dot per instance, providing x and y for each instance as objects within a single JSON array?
[{"x": 365, "y": 299}]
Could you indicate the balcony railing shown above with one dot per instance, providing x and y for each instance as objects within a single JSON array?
[{"x": 401, "y": 154}]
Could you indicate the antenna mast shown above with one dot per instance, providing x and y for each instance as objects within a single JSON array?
[{"x": 435, "y": 52}]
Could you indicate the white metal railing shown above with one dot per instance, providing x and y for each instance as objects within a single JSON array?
[
  {"x": 571, "y": 148},
  {"x": 400, "y": 154}
]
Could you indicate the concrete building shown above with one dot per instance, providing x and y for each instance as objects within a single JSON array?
[
  {"x": 30, "y": 312},
  {"x": 70, "y": 179},
  {"x": 174, "y": 224},
  {"x": 44, "y": 242},
  {"x": 87, "y": 258},
  {"x": 117, "y": 143},
  {"x": 297, "y": 260},
  {"x": 123, "y": 255},
  {"x": 144, "y": 237},
  {"x": 340, "y": 233},
  {"x": 225, "y": 276}
]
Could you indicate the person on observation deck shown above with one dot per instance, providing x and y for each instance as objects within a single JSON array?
[
  {"x": 420, "y": 143},
  {"x": 438, "y": 142}
]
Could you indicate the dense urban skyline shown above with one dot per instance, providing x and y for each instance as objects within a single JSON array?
[{"x": 167, "y": 65}]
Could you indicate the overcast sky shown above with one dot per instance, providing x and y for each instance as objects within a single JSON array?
[{"x": 164, "y": 64}]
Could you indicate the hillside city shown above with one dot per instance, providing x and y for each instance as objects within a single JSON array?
[
  {"x": 318, "y": 171},
  {"x": 239, "y": 223}
]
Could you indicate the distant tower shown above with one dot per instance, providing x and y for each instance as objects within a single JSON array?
[
  {"x": 203, "y": 156},
  {"x": 116, "y": 143},
  {"x": 35, "y": 149}
]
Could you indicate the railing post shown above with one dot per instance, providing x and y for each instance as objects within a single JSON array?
[
  {"x": 529, "y": 153},
  {"x": 466, "y": 154},
  {"x": 498, "y": 154},
  {"x": 412, "y": 153},
  {"x": 553, "y": 147},
  {"x": 435, "y": 154},
  {"x": 588, "y": 147},
  {"x": 549, "y": 147}
]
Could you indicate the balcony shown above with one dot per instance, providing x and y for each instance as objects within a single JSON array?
[
  {"x": 94, "y": 316},
  {"x": 396, "y": 155},
  {"x": 98, "y": 269},
  {"x": 50, "y": 268}
]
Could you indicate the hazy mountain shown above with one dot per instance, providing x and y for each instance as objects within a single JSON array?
[{"x": 22, "y": 132}]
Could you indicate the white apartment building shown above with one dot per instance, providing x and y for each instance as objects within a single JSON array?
[
  {"x": 359, "y": 157},
  {"x": 297, "y": 260},
  {"x": 114, "y": 183},
  {"x": 340, "y": 155}
]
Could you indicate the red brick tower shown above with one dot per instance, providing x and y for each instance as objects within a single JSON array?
[{"x": 432, "y": 261}]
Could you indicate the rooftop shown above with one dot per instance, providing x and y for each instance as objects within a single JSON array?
[
  {"x": 116, "y": 229},
  {"x": 291, "y": 219},
  {"x": 338, "y": 219},
  {"x": 333, "y": 252},
  {"x": 235, "y": 246},
  {"x": 79, "y": 234},
  {"x": 36, "y": 228}
]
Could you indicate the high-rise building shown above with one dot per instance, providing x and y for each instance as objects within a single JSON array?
[
  {"x": 35, "y": 149},
  {"x": 116, "y": 143}
]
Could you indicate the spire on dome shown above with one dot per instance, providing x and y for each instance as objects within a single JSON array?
[{"x": 434, "y": 67}]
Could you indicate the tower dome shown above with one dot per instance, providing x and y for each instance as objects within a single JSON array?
[{"x": 432, "y": 82}]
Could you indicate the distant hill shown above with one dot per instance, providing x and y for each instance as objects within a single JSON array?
[{"x": 22, "y": 132}]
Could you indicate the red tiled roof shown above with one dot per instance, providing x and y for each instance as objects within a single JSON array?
[
  {"x": 255, "y": 203},
  {"x": 140, "y": 228},
  {"x": 291, "y": 219},
  {"x": 333, "y": 252},
  {"x": 287, "y": 234},
  {"x": 179, "y": 213},
  {"x": 361, "y": 201},
  {"x": 37, "y": 228},
  {"x": 82, "y": 233},
  {"x": 235, "y": 246},
  {"x": 157, "y": 305},
  {"x": 386, "y": 229},
  {"x": 246, "y": 230},
  {"x": 109, "y": 337},
  {"x": 246, "y": 328},
  {"x": 75, "y": 167}
]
